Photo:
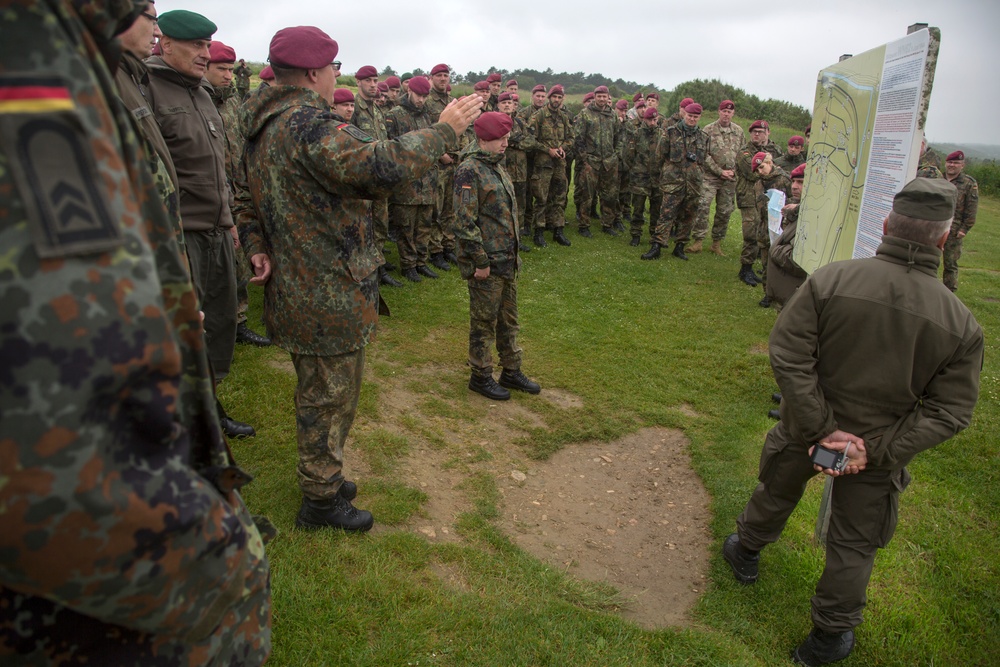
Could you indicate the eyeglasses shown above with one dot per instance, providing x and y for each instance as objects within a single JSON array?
[
  {"x": 336, "y": 64},
  {"x": 151, "y": 17}
]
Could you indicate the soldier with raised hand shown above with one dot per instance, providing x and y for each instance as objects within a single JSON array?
[
  {"x": 746, "y": 197},
  {"x": 124, "y": 537},
  {"x": 966, "y": 207},
  {"x": 487, "y": 232},
  {"x": 643, "y": 182},
  {"x": 720, "y": 179},
  {"x": 303, "y": 206},
  {"x": 680, "y": 156},
  {"x": 550, "y": 127},
  {"x": 597, "y": 141}
]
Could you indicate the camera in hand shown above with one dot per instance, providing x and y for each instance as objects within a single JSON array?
[{"x": 827, "y": 458}]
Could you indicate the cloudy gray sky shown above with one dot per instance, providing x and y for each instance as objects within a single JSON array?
[{"x": 775, "y": 51}]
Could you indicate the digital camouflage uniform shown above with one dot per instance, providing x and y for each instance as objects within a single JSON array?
[
  {"x": 443, "y": 227},
  {"x": 371, "y": 120},
  {"x": 124, "y": 538},
  {"x": 487, "y": 234},
  {"x": 726, "y": 143},
  {"x": 597, "y": 137},
  {"x": 776, "y": 180},
  {"x": 242, "y": 73},
  {"x": 679, "y": 160},
  {"x": 411, "y": 205},
  {"x": 966, "y": 207},
  {"x": 746, "y": 197},
  {"x": 303, "y": 199},
  {"x": 643, "y": 183},
  {"x": 549, "y": 185}
]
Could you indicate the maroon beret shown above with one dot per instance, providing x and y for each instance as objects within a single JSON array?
[
  {"x": 383, "y": 87},
  {"x": 514, "y": 97},
  {"x": 365, "y": 72},
  {"x": 302, "y": 47},
  {"x": 492, "y": 125},
  {"x": 809, "y": 128},
  {"x": 393, "y": 82},
  {"x": 621, "y": 104},
  {"x": 588, "y": 97},
  {"x": 686, "y": 101},
  {"x": 342, "y": 96},
  {"x": 796, "y": 140},
  {"x": 441, "y": 67},
  {"x": 512, "y": 82},
  {"x": 420, "y": 85},
  {"x": 652, "y": 96},
  {"x": 799, "y": 171},
  {"x": 651, "y": 112},
  {"x": 540, "y": 88},
  {"x": 759, "y": 125},
  {"x": 957, "y": 156},
  {"x": 220, "y": 53},
  {"x": 693, "y": 108},
  {"x": 494, "y": 78},
  {"x": 556, "y": 90},
  {"x": 267, "y": 74},
  {"x": 637, "y": 97},
  {"x": 504, "y": 97},
  {"x": 641, "y": 104},
  {"x": 602, "y": 89},
  {"x": 481, "y": 85},
  {"x": 757, "y": 160},
  {"x": 727, "y": 104}
]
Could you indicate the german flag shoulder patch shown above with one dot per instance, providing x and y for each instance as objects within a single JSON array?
[{"x": 34, "y": 94}]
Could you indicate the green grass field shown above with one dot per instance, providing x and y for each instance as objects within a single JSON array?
[{"x": 634, "y": 341}]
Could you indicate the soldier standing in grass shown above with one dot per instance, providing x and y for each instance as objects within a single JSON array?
[
  {"x": 552, "y": 131},
  {"x": 720, "y": 179},
  {"x": 242, "y": 73},
  {"x": 597, "y": 138},
  {"x": 643, "y": 177},
  {"x": 966, "y": 207},
  {"x": 515, "y": 162},
  {"x": 304, "y": 209},
  {"x": 769, "y": 177},
  {"x": 487, "y": 232},
  {"x": 878, "y": 361},
  {"x": 442, "y": 241},
  {"x": 746, "y": 197}
]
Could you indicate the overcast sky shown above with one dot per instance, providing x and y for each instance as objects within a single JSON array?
[{"x": 775, "y": 51}]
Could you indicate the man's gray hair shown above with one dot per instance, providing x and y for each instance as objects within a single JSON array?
[{"x": 926, "y": 232}]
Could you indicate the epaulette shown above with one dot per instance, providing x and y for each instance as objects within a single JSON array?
[{"x": 355, "y": 132}]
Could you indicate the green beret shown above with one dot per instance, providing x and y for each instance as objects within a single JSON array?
[
  {"x": 182, "y": 24},
  {"x": 926, "y": 199}
]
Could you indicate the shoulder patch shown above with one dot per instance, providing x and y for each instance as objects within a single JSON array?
[
  {"x": 141, "y": 112},
  {"x": 355, "y": 132},
  {"x": 466, "y": 194}
]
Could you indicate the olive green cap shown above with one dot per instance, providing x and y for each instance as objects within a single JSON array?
[
  {"x": 926, "y": 199},
  {"x": 182, "y": 24}
]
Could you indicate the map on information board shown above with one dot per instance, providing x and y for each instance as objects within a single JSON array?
[{"x": 867, "y": 128}]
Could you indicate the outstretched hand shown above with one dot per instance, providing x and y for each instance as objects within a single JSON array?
[{"x": 460, "y": 113}]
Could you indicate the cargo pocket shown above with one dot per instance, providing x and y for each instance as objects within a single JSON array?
[
  {"x": 898, "y": 482},
  {"x": 774, "y": 444}
]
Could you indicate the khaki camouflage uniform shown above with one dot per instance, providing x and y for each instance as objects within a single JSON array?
[
  {"x": 746, "y": 197},
  {"x": 487, "y": 233},
  {"x": 726, "y": 143},
  {"x": 303, "y": 199},
  {"x": 966, "y": 207},
  {"x": 124, "y": 538},
  {"x": 640, "y": 152},
  {"x": 549, "y": 185},
  {"x": 597, "y": 137},
  {"x": 680, "y": 180}
]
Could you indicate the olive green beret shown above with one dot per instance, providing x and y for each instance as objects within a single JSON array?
[
  {"x": 182, "y": 24},
  {"x": 926, "y": 199}
]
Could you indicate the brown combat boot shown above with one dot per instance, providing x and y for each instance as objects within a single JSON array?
[
  {"x": 694, "y": 248},
  {"x": 717, "y": 248}
]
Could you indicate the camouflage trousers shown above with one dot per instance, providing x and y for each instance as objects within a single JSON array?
[
  {"x": 549, "y": 187},
  {"x": 442, "y": 237},
  {"x": 724, "y": 194},
  {"x": 763, "y": 243},
  {"x": 413, "y": 223},
  {"x": 639, "y": 208},
  {"x": 952, "y": 253},
  {"x": 624, "y": 212},
  {"x": 597, "y": 182},
  {"x": 493, "y": 320},
  {"x": 677, "y": 215},
  {"x": 750, "y": 251},
  {"x": 326, "y": 401},
  {"x": 520, "y": 195},
  {"x": 243, "y": 275},
  {"x": 212, "y": 258},
  {"x": 380, "y": 224},
  {"x": 529, "y": 204}
]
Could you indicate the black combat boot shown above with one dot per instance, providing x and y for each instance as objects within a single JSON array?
[
  {"x": 776, "y": 397},
  {"x": 585, "y": 233},
  {"x": 488, "y": 387},
  {"x": 765, "y": 302},
  {"x": 635, "y": 241},
  {"x": 518, "y": 380},
  {"x": 610, "y": 231},
  {"x": 230, "y": 426},
  {"x": 540, "y": 238},
  {"x": 560, "y": 238},
  {"x": 438, "y": 260},
  {"x": 426, "y": 271},
  {"x": 412, "y": 275},
  {"x": 333, "y": 512},
  {"x": 247, "y": 336},
  {"x": 451, "y": 257},
  {"x": 679, "y": 251},
  {"x": 619, "y": 227},
  {"x": 823, "y": 648},
  {"x": 653, "y": 252},
  {"x": 746, "y": 274},
  {"x": 348, "y": 490},
  {"x": 389, "y": 266},
  {"x": 386, "y": 279},
  {"x": 523, "y": 247},
  {"x": 774, "y": 414},
  {"x": 742, "y": 561}
]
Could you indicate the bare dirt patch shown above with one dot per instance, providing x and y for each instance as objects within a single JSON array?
[{"x": 631, "y": 513}]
